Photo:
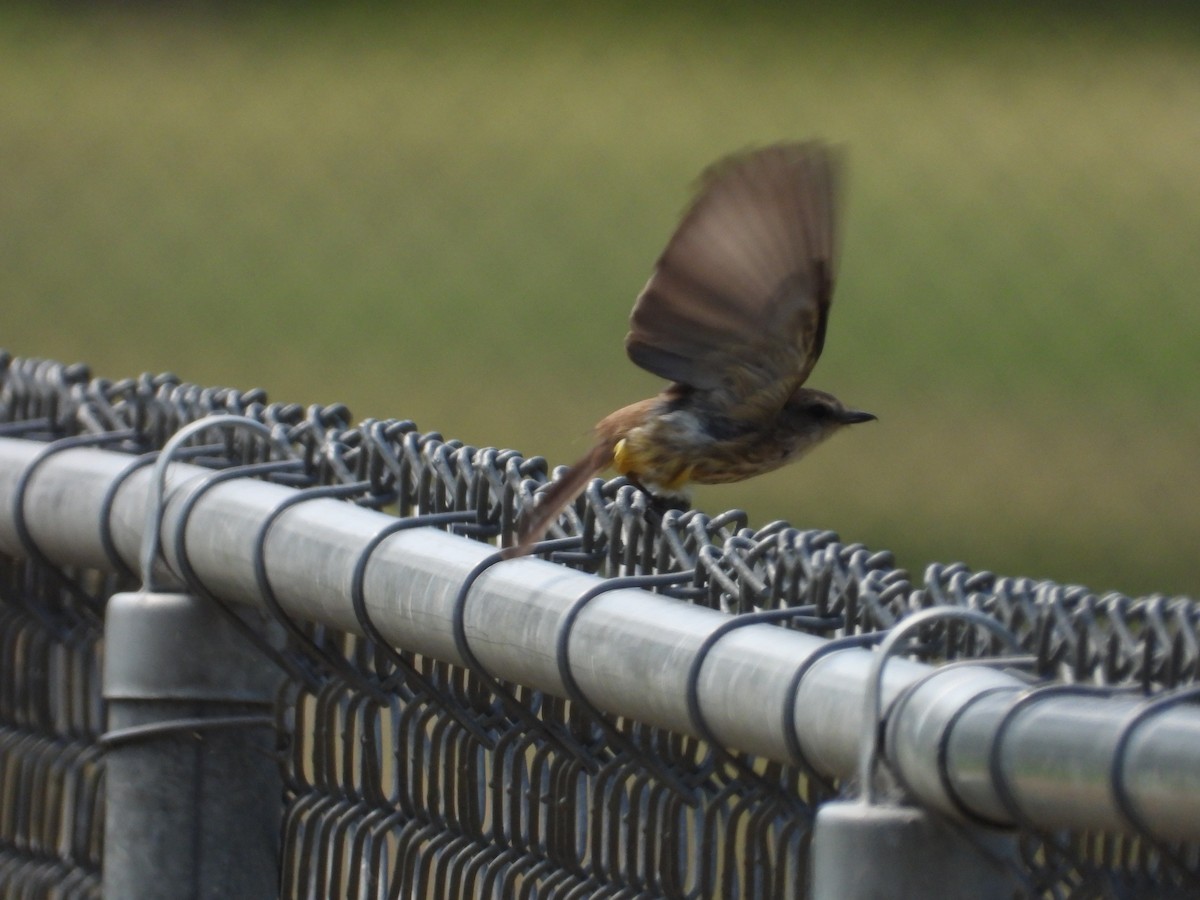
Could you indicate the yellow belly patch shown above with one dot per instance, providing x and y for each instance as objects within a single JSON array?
[
  {"x": 623, "y": 458},
  {"x": 649, "y": 471}
]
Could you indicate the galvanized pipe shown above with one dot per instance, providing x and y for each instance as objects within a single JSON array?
[{"x": 961, "y": 740}]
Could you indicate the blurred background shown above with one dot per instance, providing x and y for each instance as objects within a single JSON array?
[{"x": 444, "y": 212}]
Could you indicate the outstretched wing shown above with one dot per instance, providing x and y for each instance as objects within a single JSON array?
[{"x": 738, "y": 301}]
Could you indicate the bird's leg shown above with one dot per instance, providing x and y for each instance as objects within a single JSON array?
[{"x": 662, "y": 503}]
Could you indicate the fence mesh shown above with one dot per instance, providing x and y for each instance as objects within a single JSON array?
[{"x": 409, "y": 777}]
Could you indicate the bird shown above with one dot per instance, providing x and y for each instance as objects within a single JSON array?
[{"x": 734, "y": 317}]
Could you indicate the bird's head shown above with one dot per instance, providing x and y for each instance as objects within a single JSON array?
[{"x": 810, "y": 416}]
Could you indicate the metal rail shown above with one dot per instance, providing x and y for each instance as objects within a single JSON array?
[{"x": 974, "y": 741}]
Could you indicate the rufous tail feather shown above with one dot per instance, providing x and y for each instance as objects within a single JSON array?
[{"x": 556, "y": 498}]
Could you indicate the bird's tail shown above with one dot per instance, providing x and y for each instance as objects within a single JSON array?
[{"x": 556, "y": 497}]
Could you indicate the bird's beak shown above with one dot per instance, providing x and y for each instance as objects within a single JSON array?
[{"x": 854, "y": 416}]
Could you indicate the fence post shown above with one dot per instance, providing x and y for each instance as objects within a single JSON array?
[{"x": 193, "y": 792}]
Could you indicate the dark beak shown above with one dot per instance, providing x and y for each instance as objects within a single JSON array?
[{"x": 854, "y": 416}]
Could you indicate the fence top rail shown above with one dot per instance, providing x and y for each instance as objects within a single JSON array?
[{"x": 977, "y": 740}]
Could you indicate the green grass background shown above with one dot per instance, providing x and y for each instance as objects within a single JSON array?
[{"x": 444, "y": 212}]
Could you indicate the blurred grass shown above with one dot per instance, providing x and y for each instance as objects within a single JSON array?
[{"x": 444, "y": 213}]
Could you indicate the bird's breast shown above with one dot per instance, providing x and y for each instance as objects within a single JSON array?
[
  {"x": 666, "y": 452},
  {"x": 661, "y": 451}
]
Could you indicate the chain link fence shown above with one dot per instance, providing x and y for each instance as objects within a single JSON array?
[{"x": 407, "y": 776}]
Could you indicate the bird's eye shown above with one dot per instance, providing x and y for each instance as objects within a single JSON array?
[{"x": 820, "y": 411}]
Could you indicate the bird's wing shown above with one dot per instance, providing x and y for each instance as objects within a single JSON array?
[{"x": 738, "y": 301}]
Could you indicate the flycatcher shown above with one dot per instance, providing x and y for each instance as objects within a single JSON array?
[{"x": 734, "y": 316}]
